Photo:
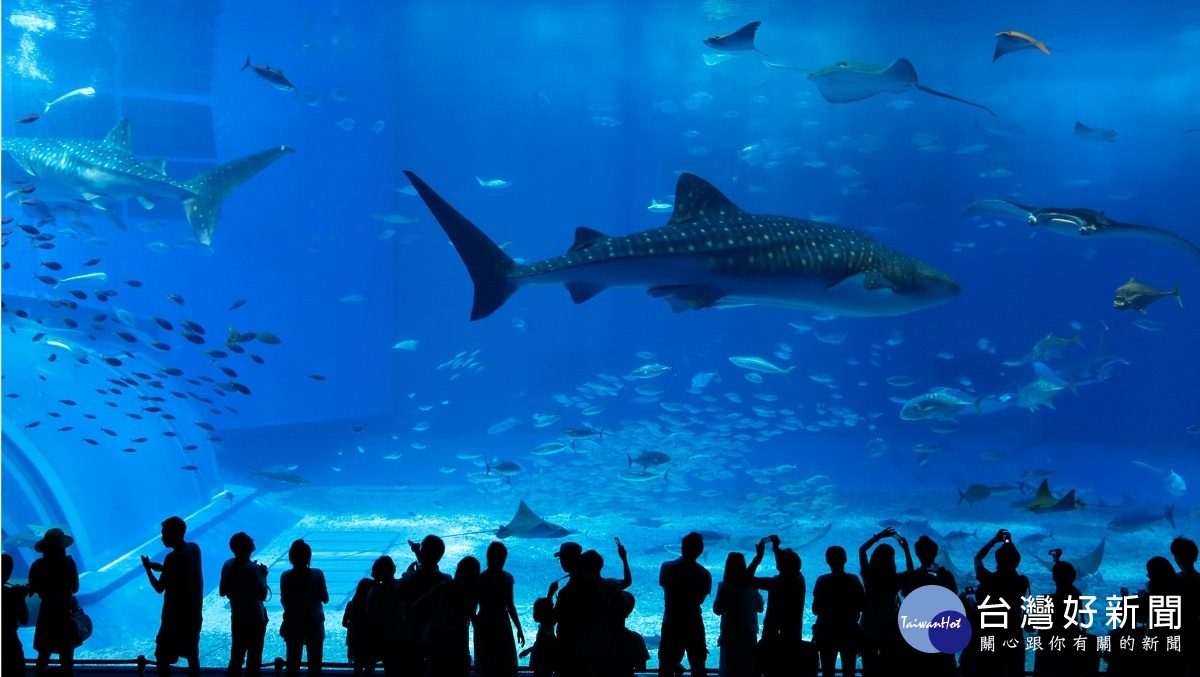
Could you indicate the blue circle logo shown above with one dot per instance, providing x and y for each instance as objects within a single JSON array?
[{"x": 933, "y": 620}]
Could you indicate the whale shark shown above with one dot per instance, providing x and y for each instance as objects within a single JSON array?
[
  {"x": 1080, "y": 222},
  {"x": 710, "y": 254},
  {"x": 100, "y": 173}
]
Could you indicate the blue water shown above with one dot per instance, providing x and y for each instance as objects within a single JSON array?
[{"x": 590, "y": 113}]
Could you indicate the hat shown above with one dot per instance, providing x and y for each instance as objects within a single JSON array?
[
  {"x": 569, "y": 547},
  {"x": 54, "y": 539}
]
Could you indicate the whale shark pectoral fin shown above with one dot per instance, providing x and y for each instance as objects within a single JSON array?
[
  {"x": 687, "y": 297},
  {"x": 147, "y": 201},
  {"x": 586, "y": 237},
  {"x": 583, "y": 291},
  {"x": 874, "y": 281}
]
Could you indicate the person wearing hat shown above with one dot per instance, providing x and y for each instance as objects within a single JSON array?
[
  {"x": 55, "y": 579},
  {"x": 574, "y": 609},
  {"x": 244, "y": 583}
]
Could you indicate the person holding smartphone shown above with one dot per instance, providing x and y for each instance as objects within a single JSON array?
[{"x": 1001, "y": 591}]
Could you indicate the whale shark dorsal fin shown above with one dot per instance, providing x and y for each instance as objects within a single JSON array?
[
  {"x": 585, "y": 237},
  {"x": 698, "y": 201},
  {"x": 119, "y": 137},
  {"x": 157, "y": 164}
]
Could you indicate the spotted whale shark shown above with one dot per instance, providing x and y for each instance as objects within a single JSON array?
[
  {"x": 102, "y": 172},
  {"x": 710, "y": 254}
]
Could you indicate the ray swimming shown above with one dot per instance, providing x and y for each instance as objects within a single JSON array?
[
  {"x": 1008, "y": 42},
  {"x": 847, "y": 81},
  {"x": 710, "y": 254},
  {"x": 102, "y": 172},
  {"x": 1080, "y": 222},
  {"x": 740, "y": 40},
  {"x": 525, "y": 524},
  {"x": 1100, "y": 134}
]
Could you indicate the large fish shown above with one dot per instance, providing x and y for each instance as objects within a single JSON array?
[
  {"x": 102, "y": 172},
  {"x": 711, "y": 253},
  {"x": 740, "y": 40},
  {"x": 1134, "y": 295},
  {"x": 1079, "y": 222},
  {"x": 847, "y": 81}
]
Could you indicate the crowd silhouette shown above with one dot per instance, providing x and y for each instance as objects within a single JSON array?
[{"x": 420, "y": 623}]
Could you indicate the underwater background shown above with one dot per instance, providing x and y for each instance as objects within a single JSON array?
[{"x": 359, "y": 406}]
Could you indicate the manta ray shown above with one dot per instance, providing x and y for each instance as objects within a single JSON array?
[
  {"x": 1080, "y": 222},
  {"x": 847, "y": 81},
  {"x": 1044, "y": 501},
  {"x": 1008, "y": 42},
  {"x": 525, "y": 524},
  {"x": 100, "y": 173},
  {"x": 740, "y": 40},
  {"x": 710, "y": 254},
  {"x": 1086, "y": 565},
  {"x": 1100, "y": 134}
]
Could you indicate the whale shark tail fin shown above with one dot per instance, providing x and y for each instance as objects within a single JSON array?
[
  {"x": 212, "y": 187},
  {"x": 486, "y": 262}
]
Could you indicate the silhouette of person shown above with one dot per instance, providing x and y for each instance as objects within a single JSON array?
[
  {"x": 1000, "y": 592},
  {"x": 495, "y": 651},
  {"x": 1161, "y": 581},
  {"x": 244, "y": 584},
  {"x": 928, "y": 573},
  {"x": 838, "y": 600},
  {"x": 15, "y": 613},
  {"x": 881, "y": 584},
  {"x": 422, "y": 576},
  {"x": 385, "y": 614},
  {"x": 618, "y": 651},
  {"x": 738, "y": 603},
  {"x": 685, "y": 583},
  {"x": 302, "y": 593},
  {"x": 782, "y": 650},
  {"x": 181, "y": 583},
  {"x": 543, "y": 650},
  {"x": 971, "y": 655},
  {"x": 360, "y": 649},
  {"x": 574, "y": 608},
  {"x": 611, "y": 586},
  {"x": 54, "y": 578},
  {"x": 450, "y": 607},
  {"x": 1066, "y": 662},
  {"x": 1185, "y": 553}
]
